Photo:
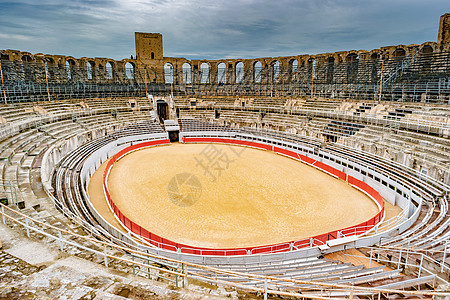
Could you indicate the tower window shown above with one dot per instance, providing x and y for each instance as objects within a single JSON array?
[{"x": 153, "y": 55}]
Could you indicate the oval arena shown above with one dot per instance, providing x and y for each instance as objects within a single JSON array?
[
  {"x": 235, "y": 208},
  {"x": 320, "y": 182}
]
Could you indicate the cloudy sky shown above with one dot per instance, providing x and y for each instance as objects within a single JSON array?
[{"x": 216, "y": 28}]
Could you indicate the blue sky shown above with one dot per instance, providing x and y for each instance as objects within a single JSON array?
[{"x": 213, "y": 29}]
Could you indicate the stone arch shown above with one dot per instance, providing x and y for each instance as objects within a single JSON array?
[
  {"x": 72, "y": 61},
  {"x": 204, "y": 72},
  {"x": 257, "y": 70},
  {"x": 352, "y": 57},
  {"x": 109, "y": 70},
  {"x": 275, "y": 70},
  {"x": 70, "y": 64},
  {"x": 68, "y": 70},
  {"x": 222, "y": 73},
  {"x": 27, "y": 58},
  {"x": 129, "y": 70},
  {"x": 49, "y": 63},
  {"x": 352, "y": 60},
  {"x": 49, "y": 60},
  {"x": 312, "y": 66},
  {"x": 426, "y": 57},
  {"x": 399, "y": 53},
  {"x": 4, "y": 56},
  {"x": 27, "y": 71},
  {"x": 168, "y": 73},
  {"x": 187, "y": 73},
  {"x": 293, "y": 65},
  {"x": 90, "y": 69},
  {"x": 374, "y": 66},
  {"x": 239, "y": 71},
  {"x": 330, "y": 69},
  {"x": 427, "y": 49}
]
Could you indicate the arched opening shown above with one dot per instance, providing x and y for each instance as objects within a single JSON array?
[
  {"x": 222, "y": 73},
  {"x": 374, "y": 75},
  {"x": 294, "y": 65},
  {"x": 5, "y": 68},
  {"x": 257, "y": 69},
  {"x": 47, "y": 73},
  {"x": 426, "y": 58},
  {"x": 187, "y": 73},
  {"x": 27, "y": 58},
  {"x": 204, "y": 73},
  {"x": 27, "y": 71},
  {"x": 399, "y": 53},
  {"x": 312, "y": 64},
  {"x": 330, "y": 69},
  {"x": 89, "y": 70},
  {"x": 152, "y": 55},
  {"x": 352, "y": 57},
  {"x": 109, "y": 70},
  {"x": 275, "y": 71},
  {"x": 352, "y": 67},
  {"x": 49, "y": 60},
  {"x": 168, "y": 73},
  {"x": 49, "y": 66},
  {"x": 69, "y": 65},
  {"x": 239, "y": 72},
  {"x": 129, "y": 70},
  {"x": 427, "y": 49},
  {"x": 68, "y": 71}
]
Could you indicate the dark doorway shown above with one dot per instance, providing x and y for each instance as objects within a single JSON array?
[
  {"x": 163, "y": 110},
  {"x": 173, "y": 136}
]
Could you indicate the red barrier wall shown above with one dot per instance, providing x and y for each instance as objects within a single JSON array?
[{"x": 283, "y": 247}]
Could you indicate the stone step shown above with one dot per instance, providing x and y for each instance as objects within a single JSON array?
[{"x": 28, "y": 162}]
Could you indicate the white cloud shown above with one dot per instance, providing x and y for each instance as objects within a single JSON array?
[{"x": 18, "y": 37}]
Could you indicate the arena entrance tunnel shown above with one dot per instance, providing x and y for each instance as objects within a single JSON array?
[
  {"x": 173, "y": 129},
  {"x": 162, "y": 109}
]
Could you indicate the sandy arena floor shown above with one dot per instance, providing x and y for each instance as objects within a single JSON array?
[{"x": 221, "y": 196}]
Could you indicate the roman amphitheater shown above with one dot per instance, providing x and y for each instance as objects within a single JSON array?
[{"x": 311, "y": 176}]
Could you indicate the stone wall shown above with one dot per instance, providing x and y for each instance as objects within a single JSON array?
[{"x": 148, "y": 65}]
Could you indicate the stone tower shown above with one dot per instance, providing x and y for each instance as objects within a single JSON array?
[
  {"x": 444, "y": 29},
  {"x": 149, "y": 46},
  {"x": 149, "y": 55}
]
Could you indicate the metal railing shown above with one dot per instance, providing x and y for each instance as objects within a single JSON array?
[{"x": 183, "y": 271}]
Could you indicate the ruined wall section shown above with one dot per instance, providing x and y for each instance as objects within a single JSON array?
[
  {"x": 444, "y": 29},
  {"x": 24, "y": 66},
  {"x": 148, "y": 66},
  {"x": 152, "y": 70},
  {"x": 324, "y": 64}
]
